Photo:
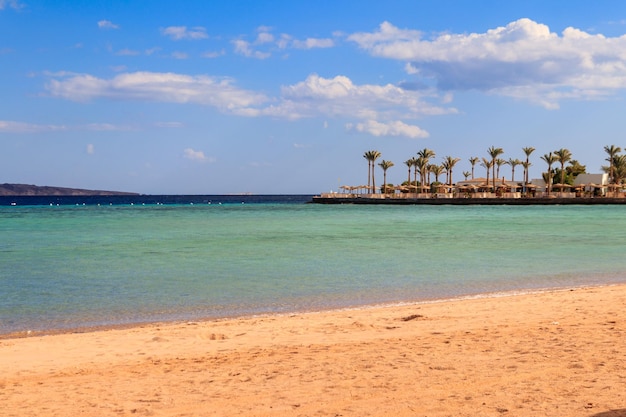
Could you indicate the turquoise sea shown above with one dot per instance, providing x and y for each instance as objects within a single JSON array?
[{"x": 71, "y": 266}]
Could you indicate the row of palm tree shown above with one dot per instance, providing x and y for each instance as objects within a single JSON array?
[{"x": 421, "y": 165}]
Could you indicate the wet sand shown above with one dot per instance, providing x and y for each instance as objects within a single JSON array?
[{"x": 557, "y": 353}]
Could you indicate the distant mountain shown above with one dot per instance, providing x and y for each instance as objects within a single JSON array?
[{"x": 27, "y": 189}]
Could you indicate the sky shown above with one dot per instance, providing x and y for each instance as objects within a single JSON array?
[{"x": 285, "y": 97}]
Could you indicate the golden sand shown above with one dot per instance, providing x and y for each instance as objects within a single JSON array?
[{"x": 558, "y": 353}]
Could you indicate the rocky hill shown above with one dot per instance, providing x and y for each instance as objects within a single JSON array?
[{"x": 35, "y": 190}]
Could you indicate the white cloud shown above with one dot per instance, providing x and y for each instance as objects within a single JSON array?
[
  {"x": 338, "y": 96},
  {"x": 213, "y": 54},
  {"x": 392, "y": 128},
  {"x": 11, "y": 4},
  {"x": 311, "y": 43},
  {"x": 90, "y": 149},
  {"x": 524, "y": 60},
  {"x": 127, "y": 52},
  {"x": 266, "y": 42},
  {"x": 264, "y": 37},
  {"x": 198, "y": 156},
  {"x": 245, "y": 48},
  {"x": 316, "y": 96},
  {"x": 8, "y": 126},
  {"x": 151, "y": 51},
  {"x": 169, "y": 124},
  {"x": 179, "y": 55},
  {"x": 152, "y": 86},
  {"x": 107, "y": 24},
  {"x": 181, "y": 32},
  {"x": 104, "y": 127}
]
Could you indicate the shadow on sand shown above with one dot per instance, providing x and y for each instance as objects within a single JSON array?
[{"x": 611, "y": 413}]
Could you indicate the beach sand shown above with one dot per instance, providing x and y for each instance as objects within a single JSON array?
[{"x": 557, "y": 353}]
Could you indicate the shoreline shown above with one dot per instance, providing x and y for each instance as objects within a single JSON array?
[
  {"x": 459, "y": 201},
  {"x": 551, "y": 353},
  {"x": 206, "y": 319}
]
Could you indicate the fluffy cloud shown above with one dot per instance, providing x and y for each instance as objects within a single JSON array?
[
  {"x": 339, "y": 96},
  {"x": 198, "y": 156},
  {"x": 21, "y": 127},
  {"x": 523, "y": 59},
  {"x": 12, "y": 4},
  {"x": 107, "y": 24},
  {"x": 178, "y": 33},
  {"x": 245, "y": 48},
  {"x": 392, "y": 128},
  {"x": 153, "y": 86},
  {"x": 267, "y": 40},
  {"x": 311, "y": 43},
  {"x": 8, "y": 126},
  {"x": 379, "y": 108}
]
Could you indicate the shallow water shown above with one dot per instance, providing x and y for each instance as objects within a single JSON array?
[{"x": 74, "y": 266}]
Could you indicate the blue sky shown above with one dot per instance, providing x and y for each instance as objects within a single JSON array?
[{"x": 272, "y": 97}]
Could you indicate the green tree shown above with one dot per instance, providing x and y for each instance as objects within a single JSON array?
[
  {"x": 612, "y": 151},
  {"x": 425, "y": 154},
  {"x": 409, "y": 163},
  {"x": 573, "y": 170},
  {"x": 528, "y": 151},
  {"x": 499, "y": 163},
  {"x": 385, "y": 165},
  {"x": 487, "y": 163},
  {"x": 437, "y": 170},
  {"x": 371, "y": 157},
  {"x": 513, "y": 163},
  {"x": 550, "y": 159},
  {"x": 563, "y": 155},
  {"x": 448, "y": 164},
  {"x": 494, "y": 153},
  {"x": 473, "y": 161},
  {"x": 466, "y": 174}
]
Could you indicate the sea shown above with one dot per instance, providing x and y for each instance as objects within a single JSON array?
[{"x": 71, "y": 263}]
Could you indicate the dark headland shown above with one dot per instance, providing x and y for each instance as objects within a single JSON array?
[{"x": 35, "y": 190}]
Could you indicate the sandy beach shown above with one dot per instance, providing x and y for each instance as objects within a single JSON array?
[{"x": 558, "y": 353}]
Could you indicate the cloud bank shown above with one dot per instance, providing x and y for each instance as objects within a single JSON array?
[
  {"x": 523, "y": 59},
  {"x": 379, "y": 107}
]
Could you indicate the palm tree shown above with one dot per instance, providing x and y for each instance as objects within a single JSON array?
[
  {"x": 499, "y": 163},
  {"x": 466, "y": 174},
  {"x": 473, "y": 160},
  {"x": 550, "y": 159},
  {"x": 425, "y": 154},
  {"x": 612, "y": 151},
  {"x": 409, "y": 163},
  {"x": 371, "y": 157},
  {"x": 487, "y": 163},
  {"x": 494, "y": 153},
  {"x": 417, "y": 168},
  {"x": 368, "y": 156},
  {"x": 527, "y": 165},
  {"x": 619, "y": 168},
  {"x": 385, "y": 165},
  {"x": 437, "y": 170},
  {"x": 563, "y": 155},
  {"x": 449, "y": 163},
  {"x": 513, "y": 163}
]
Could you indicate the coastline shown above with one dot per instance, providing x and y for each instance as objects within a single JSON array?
[
  {"x": 553, "y": 352},
  {"x": 321, "y": 199},
  {"x": 265, "y": 315}
]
